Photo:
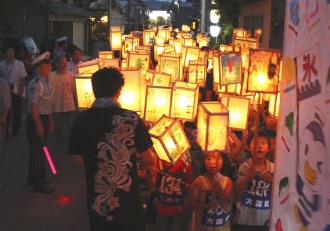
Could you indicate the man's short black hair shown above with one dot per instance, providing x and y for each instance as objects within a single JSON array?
[
  {"x": 4, "y": 50},
  {"x": 71, "y": 48},
  {"x": 106, "y": 82},
  {"x": 261, "y": 133}
]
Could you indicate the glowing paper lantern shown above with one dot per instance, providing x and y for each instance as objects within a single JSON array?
[
  {"x": 197, "y": 72},
  {"x": 161, "y": 79},
  {"x": 148, "y": 37},
  {"x": 105, "y": 55},
  {"x": 264, "y": 71},
  {"x": 88, "y": 68},
  {"x": 157, "y": 103},
  {"x": 108, "y": 63},
  {"x": 169, "y": 139},
  {"x": 202, "y": 41},
  {"x": 130, "y": 97},
  {"x": 216, "y": 66},
  {"x": 160, "y": 40},
  {"x": 131, "y": 43},
  {"x": 163, "y": 33},
  {"x": 238, "y": 108},
  {"x": 190, "y": 53},
  {"x": 184, "y": 100},
  {"x": 177, "y": 46},
  {"x": 274, "y": 104},
  {"x": 212, "y": 125},
  {"x": 187, "y": 40},
  {"x": 158, "y": 50},
  {"x": 84, "y": 92},
  {"x": 171, "y": 63},
  {"x": 115, "y": 38},
  {"x": 230, "y": 68}
]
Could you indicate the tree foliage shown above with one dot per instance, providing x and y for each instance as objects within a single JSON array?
[{"x": 229, "y": 12}]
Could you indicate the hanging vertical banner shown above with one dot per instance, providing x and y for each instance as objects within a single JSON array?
[{"x": 301, "y": 191}]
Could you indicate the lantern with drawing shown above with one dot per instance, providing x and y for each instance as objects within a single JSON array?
[
  {"x": 212, "y": 125},
  {"x": 169, "y": 139},
  {"x": 184, "y": 100}
]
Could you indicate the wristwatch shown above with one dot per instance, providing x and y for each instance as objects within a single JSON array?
[{"x": 2, "y": 124}]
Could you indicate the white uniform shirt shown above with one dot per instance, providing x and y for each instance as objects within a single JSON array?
[
  {"x": 12, "y": 73},
  {"x": 64, "y": 90},
  {"x": 73, "y": 67},
  {"x": 40, "y": 92}
]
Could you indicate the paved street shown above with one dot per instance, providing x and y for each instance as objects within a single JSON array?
[{"x": 22, "y": 209}]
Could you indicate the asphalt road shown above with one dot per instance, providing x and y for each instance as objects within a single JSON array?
[{"x": 21, "y": 209}]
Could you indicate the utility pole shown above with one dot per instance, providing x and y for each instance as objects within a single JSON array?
[
  {"x": 203, "y": 16},
  {"x": 109, "y": 18}
]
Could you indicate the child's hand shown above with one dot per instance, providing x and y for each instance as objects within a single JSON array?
[
  {"x": 213, "y": 205},
  {"x": 216, "y": 187},
  {"x": 267, "y": 177}
]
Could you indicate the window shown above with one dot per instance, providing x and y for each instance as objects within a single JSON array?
[{"x": 253, "y": 25}]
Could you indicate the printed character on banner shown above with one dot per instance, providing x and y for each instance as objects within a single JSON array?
[{"x": 312, "y": 175}]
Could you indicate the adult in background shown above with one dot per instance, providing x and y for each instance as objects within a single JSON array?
[
  {"x": 5, "y": 104},
  {"x": 39, "y": 122},
  {"x": 60, "y": 50},
  {"x": 76, "y": 60},
  {"x": 64, "y": 109},
  {"x": 105, "y": 46},
  {"x": 13, "y": 71},
  {"x": 208, "y": 94},
  {"x": 70, "y": 51},
  {"x": 106, "y": 138}
]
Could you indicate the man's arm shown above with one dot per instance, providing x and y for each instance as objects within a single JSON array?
[
  {"x": 147, "y": 158},
  {"x": 36, "y": 120},
  {"x": 21, "y": 87}
]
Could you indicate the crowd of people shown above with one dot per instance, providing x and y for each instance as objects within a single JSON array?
[{"x": 128, "y": 186}]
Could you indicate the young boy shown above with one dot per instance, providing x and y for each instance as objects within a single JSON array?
[
  {"x": 272, "y": 136},
  {"x": 253, "y": 186}
]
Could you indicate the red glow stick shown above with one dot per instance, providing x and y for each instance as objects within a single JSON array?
[{"x": 50, "y": 161}]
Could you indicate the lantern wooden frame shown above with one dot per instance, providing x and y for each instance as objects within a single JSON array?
[
  {"x": 238, "y": 108},
  {"x": 244, "y": 45},
  {"x": 216, "y": 59},
  {"x": 115, "y": 39},
  {"x": 108, "y": 63},
  {"x": 171, "y": 63},
  {"x": 87, "y": 68},
  {"x": 266, "y": 77},
  {"x": 169, "y": 139},
  {"x": 131, "y": 95},
  {"x": 148, "y": 37},
  {"x": 197, "y": 72},
  {"x": 105, "y": 54},
  {"x": 157, "y": 103},
  {"x": 230, "y": 67},
  {"x": 84, "y": 92},
  {"x": 189, "y": 53},
  {"x": 184, "y": 100},
  {"x": 212, "y": 126}
]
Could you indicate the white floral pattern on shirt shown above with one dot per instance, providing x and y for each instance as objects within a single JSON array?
[{"x": 114, "y": 163}]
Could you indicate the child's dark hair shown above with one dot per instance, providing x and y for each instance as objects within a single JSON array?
[
  {"x": 271, "y": 132},
  {"x": 261, "y": 133},
  {"x": 225, "y": 170}
]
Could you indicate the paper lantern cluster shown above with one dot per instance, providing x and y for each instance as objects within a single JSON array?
[{"x": 167, "y": 95}]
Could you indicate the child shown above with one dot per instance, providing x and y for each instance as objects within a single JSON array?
[
  {"x": 272, "y": 135},
  {"x": 253, "y": 186},
  {"x": 210, "y": 196},
  {"x": 171, "y": 194}
]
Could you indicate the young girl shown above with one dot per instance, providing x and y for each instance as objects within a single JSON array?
[{"x": 210, "y": 196}]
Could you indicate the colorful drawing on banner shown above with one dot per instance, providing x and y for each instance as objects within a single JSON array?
[
  {"x": 230, "y": 68},
  {"x": 264, "y": 71},
  {"x": 313, "y": 21},
  {"x": 294, "y": 10},
  {"x": 307, "y": 70},
  {"x": 327, "y": 93},
  {"x": 312, "y": 173},
  {"x": 284, "y": 193}
]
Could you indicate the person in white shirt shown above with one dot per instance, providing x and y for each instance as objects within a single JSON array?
[
  {"x": 76, "y": 60},
  {"x": 64, "y": 109},
  {"x": 13, "y": 71}
]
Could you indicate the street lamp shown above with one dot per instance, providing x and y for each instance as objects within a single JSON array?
[{"x": 214, "y": 31}]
